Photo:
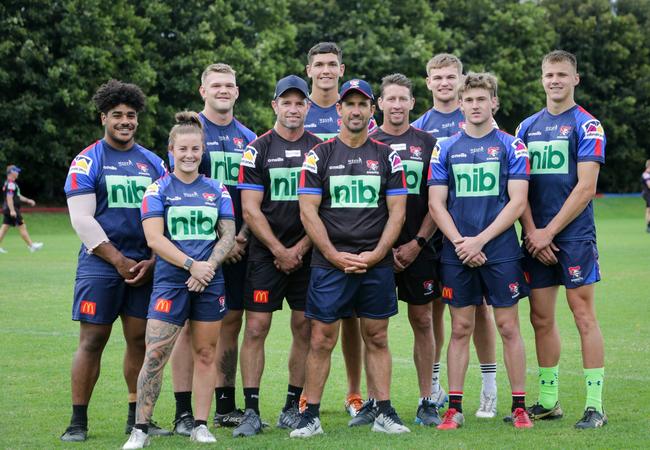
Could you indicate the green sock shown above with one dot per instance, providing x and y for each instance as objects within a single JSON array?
[
  {"x": 594, "y": 381},
  {"x": 548, "y": 386}
]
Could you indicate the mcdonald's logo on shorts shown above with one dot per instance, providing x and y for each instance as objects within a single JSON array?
[
  {"x": 163, "y": 305},
  {"x": 260, "y": 296},
  {"x": 88, "y": 308},
  {"x": 447, "y": 292}
]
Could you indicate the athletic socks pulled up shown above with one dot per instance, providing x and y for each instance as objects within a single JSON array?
[
  {"x": 252, "y": 399},
  {"x": 225, "y": 397},
  {"x": 435, "y": 379},
  {"x": 456, "y": 400},
  {"x": 518, "y": 401},
  {"x": 489, "y": 377},
  {"x": 293, "y": 397},
  {"x": 548, "y": 386},
  {"x": 313, "y": 409},
  {"x": 183, "y": 403},
  {"x": 79, "y": 416},
  {"x": 594, "y": 379}
]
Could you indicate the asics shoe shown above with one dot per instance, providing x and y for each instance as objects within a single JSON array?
[
  {"x": 250, "y": 425},
  {"x": 231, "y": 419},
  {"x": 289, "y": 419}
]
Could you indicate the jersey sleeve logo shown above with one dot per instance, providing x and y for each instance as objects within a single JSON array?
[
  {"x": 152, "y": 189},
  {"x": 593, "y": 129},
  {"x": 310, "y": 163},
  {"x": 520, "y": 148},
  {"x": 81, "y": 164},
  {"x": 435, "y": 154},
  {"x": 249, "y": 157},
  {"x": 224, "y": 192},
  {"x": 395, "y": 162}
]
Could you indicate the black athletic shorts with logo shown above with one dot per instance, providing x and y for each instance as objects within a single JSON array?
[
  {"x": 266, "y": 287},
  {"x": 419, "y": 283},
  {"x": 12, "y": 221}
]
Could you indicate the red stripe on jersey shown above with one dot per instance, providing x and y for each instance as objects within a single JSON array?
[
  {"x": 598, "y": 151},
  {"x": 527, "y": 166},
  {"x": 240, "y": 178},
  {"x": 403, "y": 179},
  {"x": 581, "y": 109},
  {"x": 301, "y": 182},
  {"x": 145, "y": 207},
  {"x": 73, "y": 181},
  {"x": 429, "y": 172},
  {"x": 87, "y": 149}
]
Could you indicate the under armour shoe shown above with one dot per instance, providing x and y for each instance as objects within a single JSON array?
[
  {"x": 231, "y": 419},
  {"x": 250, "y": 425},
  {"x": 353, "y": 404},
  {"x": 389, "y": 423},
  {"x": 366, "y": 415},
  {"x": 184, "y": 425},
  {"x": 451, "y": 420},
  {"x": 309, "y": 426},
  {"x": 154, "y": 429},
  {"x": 592, "y": 418},
  {"x": 202, "y": 435},
  {"x": 538, "y": 412},
  {"x": 289, "y": 419},
  {"x": 35, "y": 246},
  {"x": 520, "y": 419},
  {"x": 138, "y": 439},
  {"x": 488, "y": 406},
  {"x": 75, "y": 433},
  {"x": 439, "y": 397},
  {"x": 427, "y": 414}
]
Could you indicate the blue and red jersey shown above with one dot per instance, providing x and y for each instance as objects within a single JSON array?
[
  {"x": 118, "y": 179},
  {"x": 190, "y": 212},
  {"x": 440, "y": 125},
  {"x": 556, "y": 145},
  {"x": 477, "y": 171}
]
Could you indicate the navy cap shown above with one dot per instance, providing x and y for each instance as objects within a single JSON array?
[
  {"x": 291, "y": 82},
  {"x": 357, "y": 85},
  {"x": 14, "y": 169}
]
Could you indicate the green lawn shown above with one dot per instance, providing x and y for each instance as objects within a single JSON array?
[{"x": 37, "y": 341}]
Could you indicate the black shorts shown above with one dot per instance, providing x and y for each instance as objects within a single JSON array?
[
  {"x": 419, "y": 283},
  {"x": 12, "y": 221},
  {"x": 266, "y": 287},
  {"x": 234, "y": 276}
]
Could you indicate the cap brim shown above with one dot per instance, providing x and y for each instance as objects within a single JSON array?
[
  {"x": 348, "y": 91},
  {"x": 292, "y": 88}
]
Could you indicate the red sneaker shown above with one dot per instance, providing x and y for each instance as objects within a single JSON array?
[
  {"x": 451, "y": 420},
  {"x": 520, "y": 419}
]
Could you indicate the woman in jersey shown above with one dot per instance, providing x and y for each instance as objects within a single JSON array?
[{"x": 188, "y": 221}]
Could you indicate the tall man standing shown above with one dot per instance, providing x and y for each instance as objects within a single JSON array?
[
  {"x": 352, "y": 203},
  {"x": 567, "y": 148},
  {"x": 444, "y": 72},
  {"x": 279, "y": 257}
]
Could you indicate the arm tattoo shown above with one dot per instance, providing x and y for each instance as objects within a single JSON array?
[
  {"x": 226, "y": 230},
  {"x": 160, "y": 339},
  {"x": 228, "y": 366}
]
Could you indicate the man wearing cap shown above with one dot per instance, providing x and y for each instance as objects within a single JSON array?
[
  {"x": 352, "y": 195},
  {"x": 279, "y": 255},
  {"x": 11, "y": 210}
]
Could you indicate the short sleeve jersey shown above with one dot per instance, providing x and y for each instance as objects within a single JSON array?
[
  {"x": 440, "y": 125},
  {"x": 190, "y": 212},
  {"x": 118, "y": 179},
  {"x": 645, "y": 179},
  {"x": 556, "y": 145},
  {"x": 10, "y": 189},
  {"x": 272, "y": 165},
  {"x": 477, "y": 171},
  {"x": 414, "y": 148},
  {"x": 353, "y": 184},
  {"x": 326, "y": 123}
]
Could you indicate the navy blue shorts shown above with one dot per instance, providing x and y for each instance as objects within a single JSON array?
[
  {"x": 419, "y": 283},
  {"x": 577, "y": 266},
  {"x": 267, "y": 287},
  {"x": 501, "y": 284},
  {"x": 235, "y": 279},
  {"x": 334, "y": 294},
  {"x": 177, "y": 304},
  {"x": 102, "y": 300}
]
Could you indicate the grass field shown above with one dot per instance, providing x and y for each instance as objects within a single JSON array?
[{"x": 37, "y": 341}]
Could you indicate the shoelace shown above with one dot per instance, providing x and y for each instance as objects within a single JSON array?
[{"x": 449, "y": 416}]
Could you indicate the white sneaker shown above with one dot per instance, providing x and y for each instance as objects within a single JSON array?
[
  {"x": 389, "y": 423},
  {"x": 2, "y": 250},
  {"x": 138, "y": 439},
  {"x": 488, "y": 406},
  {"x": 307, "y": 428},
  {"x": 202, "y": 434},
  {"x": 439, "y": 397},
  {"x": 35, "y": 246}
]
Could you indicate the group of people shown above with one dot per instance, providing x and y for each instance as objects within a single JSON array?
[{"x": 340, "y": 229}]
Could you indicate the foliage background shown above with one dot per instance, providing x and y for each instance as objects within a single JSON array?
[{"x": 54, "y": 55}]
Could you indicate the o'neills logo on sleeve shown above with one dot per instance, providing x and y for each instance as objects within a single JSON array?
[
  {"x": 355, "y": 191},
  {"x": 163, "y": 305},
  {"x": 192, "y": 223}
]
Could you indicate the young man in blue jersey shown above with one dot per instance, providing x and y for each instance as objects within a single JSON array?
[
  {"x": 478, "y": 182},
  {"x": 567, "y": 148},
  {"x": 325, "y": 67},
  {"x": 226, "y": 138},
  {"x": 104, "y": 188},
  {"x": 444, "y": 119}
]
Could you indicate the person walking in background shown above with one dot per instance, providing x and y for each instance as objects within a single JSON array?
[
  {"x": 645, "y": 193},
  {"x": 11, "y": 217}
]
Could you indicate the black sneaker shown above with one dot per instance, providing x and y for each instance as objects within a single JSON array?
[
  {"x": 250, "y": 425},
  {"x": 231, "y": 419},
  {"x": 75, "y": 433},
  {"x": 538, "y": 412},
  {"x": 184, "y": 424},
  {"x": 592, "y": 419},
  {"x": 154, "y": 429},
  {"x": 427, "y": 414},
  {"x": 290, "y": 418},
  {"x": 366, "y": 415}
]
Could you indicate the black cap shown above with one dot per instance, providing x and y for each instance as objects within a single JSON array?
[{"x": 291, "y": 82}]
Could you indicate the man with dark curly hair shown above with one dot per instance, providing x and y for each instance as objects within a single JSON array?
[{"x": 104, "y": 187}]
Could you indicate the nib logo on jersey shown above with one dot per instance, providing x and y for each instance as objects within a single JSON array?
[
  {"x": 413, "y": 175},
  {"x": 192, "y": 223},
  {"x": 550, "y": 157},
  {"x": 354, "y": 191},
  {"x": 126, "y": 191},
  {"x": 477, "y": 180},
  {"x": 284, "y": 183},
  {"x": 225, "y": 167}
]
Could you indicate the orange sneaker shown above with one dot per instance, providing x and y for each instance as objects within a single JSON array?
[
  {"x": 302, "y": 403},
  {"x": 451, "y": 420},
  {"x": 520, "y": 419},
  {"x": 353, "y": 404}
]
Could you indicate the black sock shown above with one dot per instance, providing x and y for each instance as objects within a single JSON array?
[
  {"x": 313, "y": 409},
  {"x": 456, "y": 400},
  {"x": 79, "y": 416},
  {"x": 293, "y": 396},
  {"x": 183, "y": 403},
  {"x": 199, "y": 423},
  {"x": 518, "y": 401},
  {"x": 225, "y": 397},
  {"x": 130, "y": 418},
  {"x": 142, "y": 426},
  {"x": 383, "y": 406},
  {"x": 252, "y": 399}
]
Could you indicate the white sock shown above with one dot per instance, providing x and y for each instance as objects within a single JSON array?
[
  {"x": 489, "y": 375},
  {"x": 435, "y": 379}
]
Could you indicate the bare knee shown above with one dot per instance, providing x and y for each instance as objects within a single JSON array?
[
  {"x": 461, "y": 329},
  {"x": 256, "y": 330},
  {"x": 301, "y": 330},
  {"x": 508, "y": 328},
  {"x": 93, "y": 341},
  {"x": 376, "y": 339},
  {"x": 322, "y": 340},
  {"x": 421, "y": 323},
  {"x": 542, "y": 323},
  {"x": 205, "y": 355}
]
